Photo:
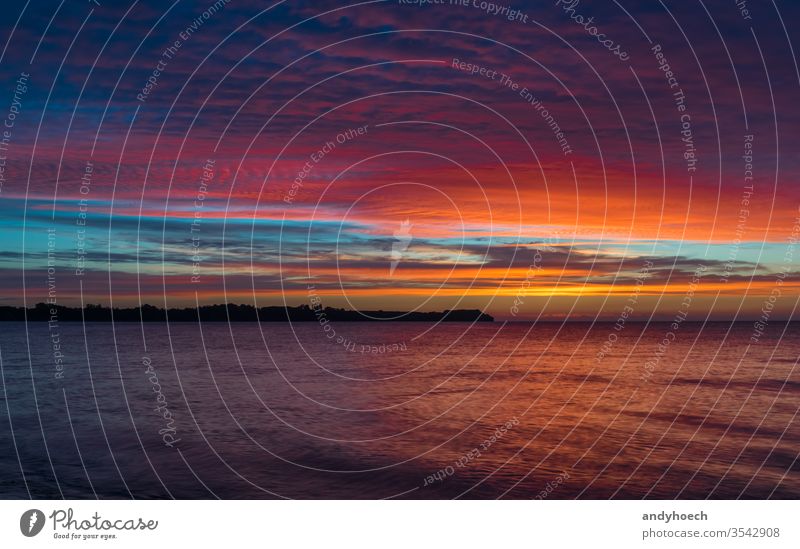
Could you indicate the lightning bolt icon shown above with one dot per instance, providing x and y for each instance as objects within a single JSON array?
[
  {"x": 34, "y": 519},
  {"x": 402, "y": 240}
]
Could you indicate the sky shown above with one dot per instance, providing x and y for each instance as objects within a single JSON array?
[{"x": 536, "y": 160}]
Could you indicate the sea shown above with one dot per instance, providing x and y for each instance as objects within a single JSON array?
[{"x": 368, "y": 410}]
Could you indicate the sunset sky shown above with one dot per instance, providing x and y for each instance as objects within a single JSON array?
[{"x": 159, "y": 154}]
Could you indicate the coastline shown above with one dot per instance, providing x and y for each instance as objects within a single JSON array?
[{"x": 230, "y": 312}]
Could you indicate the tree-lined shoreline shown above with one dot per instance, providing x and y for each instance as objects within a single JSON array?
[{"x": 230, "y": 312}]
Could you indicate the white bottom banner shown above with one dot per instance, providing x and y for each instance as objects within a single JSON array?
[{"x": 399, "y": 524}]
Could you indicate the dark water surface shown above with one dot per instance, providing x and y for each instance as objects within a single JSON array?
[{"x": 399, "y": 410}]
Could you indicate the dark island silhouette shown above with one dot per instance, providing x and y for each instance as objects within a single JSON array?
[{"x": 230, "y": 312}]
